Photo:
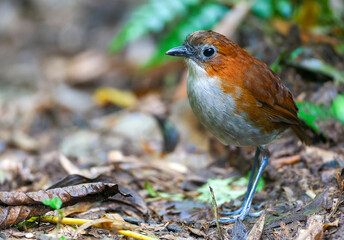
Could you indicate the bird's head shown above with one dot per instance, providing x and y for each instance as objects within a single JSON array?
[{"x": 206, "y": 49}]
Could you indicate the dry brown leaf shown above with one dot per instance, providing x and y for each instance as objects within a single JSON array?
[
  {"x": 68, "y": 166},
  {"x": 15, "y": 214},
  {"x": 285, "y": 231},
  {"x": 257, "y": 229},
  {"x": 20, "y": 206},
  {"x": 107, "y": 222},
  {"x": 66, "y": 194},
  {"x": 197, "y": 232},
  {"x": 284, "y": 27},
  {"x": 286, "y": 160},
  {"x": 121, "y": 98},
  {"x": 314, "y": 229},
  {"x": 77, "y": 208},
  {"x": 289, "y": 194},
  {"x": 87, "y": 66},
  {"x": 331, "y": 224},
  {"x": 127, "y": 196},
  {"x": 325, "y": 154},
  {"x": 315, "y": 206}
]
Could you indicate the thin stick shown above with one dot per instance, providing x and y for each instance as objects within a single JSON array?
[
  {"x": 216, "y": 212},
  {"x": 78, "y": 221},
  {"x": 341, "y": 188}
]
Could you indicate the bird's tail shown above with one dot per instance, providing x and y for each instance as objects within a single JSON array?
[{"x": 301, "y": 134}]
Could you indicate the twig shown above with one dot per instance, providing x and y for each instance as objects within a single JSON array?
[
  {"x": 216, "y": 213},
  {"x": 78, "y": 221},
  {"x": 341, "y": 188},
  {"x": 136, "y": 221},
  {"x": 230, "y": 22},
  {"x": 286, "y": 160}
]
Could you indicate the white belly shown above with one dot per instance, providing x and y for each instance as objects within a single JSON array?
[{"x": 216, "y": 110}]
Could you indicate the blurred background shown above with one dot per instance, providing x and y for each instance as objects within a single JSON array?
[
  {"x": 86, "y": 88},
  {"x": 90, "y": 79}
]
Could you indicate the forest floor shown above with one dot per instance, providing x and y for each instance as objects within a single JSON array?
[{"x": 140, "y": 163}]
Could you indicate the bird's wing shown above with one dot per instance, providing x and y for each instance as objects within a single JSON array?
[{"x": 276, "y": 100}]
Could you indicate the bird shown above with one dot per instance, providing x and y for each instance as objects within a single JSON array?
[{"x": 239, "y": 99}]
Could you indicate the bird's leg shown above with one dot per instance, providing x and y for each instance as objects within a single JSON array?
[
  {"x": 249, "y": 186},
  {"x": 248, "y": 202}
]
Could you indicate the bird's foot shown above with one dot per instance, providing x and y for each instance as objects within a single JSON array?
[
  {"x": 239, "y": 210},
  {"x": 241, "y": 216}
]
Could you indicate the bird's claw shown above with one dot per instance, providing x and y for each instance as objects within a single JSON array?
[
  {"x": 240, "y": 216},
  {"x": 239, "y": 210},
  {"x": 236, "y": 212}
]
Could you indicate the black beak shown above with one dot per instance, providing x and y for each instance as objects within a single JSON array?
[{"x": 181, "y": 51}]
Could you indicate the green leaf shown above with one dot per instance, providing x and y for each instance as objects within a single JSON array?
[
  {"x": 276, "y": 66},
  {"x": 222, "y": 190},
  {"x": 201, "y": 18},
  {"x": 263, "y": 8},
  {"x": 150, "y": 17},
  {"x": 174, "y": 197},
  {"x": 284, "y": 8},
  {"x": 314, "y": 65},
  {"x": 226, "y": 190},
  {"x": 326, "y": 15},
  {"x": 297, "y": 52},
  {"x": 150, "y": 190},
  {"x": 55, "y": 203},
  {"x": 338, "y": 107},
  {"x": 340, "y": 48},
  {"x": 154, "y": 194},
  {"x": 312, "y": 114},
  {"x": 318, "y": 66}
]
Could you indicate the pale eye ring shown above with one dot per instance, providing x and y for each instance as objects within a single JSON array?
[{"x": 209, "y": 52}]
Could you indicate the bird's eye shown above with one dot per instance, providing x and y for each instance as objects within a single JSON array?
[{"x": 208, "y": 52}]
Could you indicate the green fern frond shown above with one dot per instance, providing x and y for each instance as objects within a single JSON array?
[
  {"x": 312, "y": 114},
  {"x": 150, "y": 17},
  {"x": 202, "y": 18}
]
